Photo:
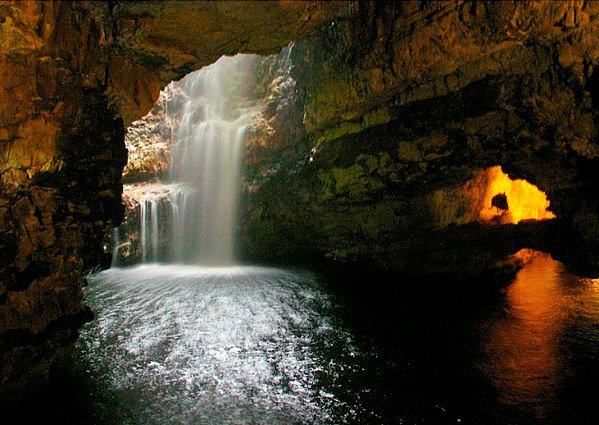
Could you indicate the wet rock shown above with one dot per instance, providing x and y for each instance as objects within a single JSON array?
[
  {"x": 368, "y": 134},
  {"x": 72, "y": 74},
  {"x": 402, "y": 105}
]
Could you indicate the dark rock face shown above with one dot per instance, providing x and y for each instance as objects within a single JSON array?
[
  {"x": 368, "y": 138},
  {"x": 158, "y": 42},
  {"x": 500, "y": 201},
  {"x": 403, "y": 104},
  {"x": 62, "y": 157},
  {"x": 69, "y": 72}
]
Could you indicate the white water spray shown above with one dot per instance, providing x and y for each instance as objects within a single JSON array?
[
  {"x": 115, "y": 248},
  {"x": 205, "y": 170},
  {"x": 206, "y": 164}
]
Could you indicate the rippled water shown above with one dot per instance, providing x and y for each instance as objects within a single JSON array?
[
  {"x": 178, "y": 344},
  {"x": 543, "y": 349},
  {"x": 189, "y": 344}
]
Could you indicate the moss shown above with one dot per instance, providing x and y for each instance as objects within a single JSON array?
[
  {"x": 359, "y": 182},
  {"x": 369, "y": 119}
]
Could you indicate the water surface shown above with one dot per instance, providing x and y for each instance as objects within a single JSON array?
[{"x": 184, "y": 344}]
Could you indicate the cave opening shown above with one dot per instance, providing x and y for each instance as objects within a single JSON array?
[
  {"x": 322, "y": 235},
  {"x": 496, "y": 198},
  {"x": 183, "y": 178}
]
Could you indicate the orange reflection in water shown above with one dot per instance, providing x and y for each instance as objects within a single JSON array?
[
  {"x": 524, "y": 200},
  {"x": 524, "y": 356}
]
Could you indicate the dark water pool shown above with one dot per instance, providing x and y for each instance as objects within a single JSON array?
[{"x": 176, "y": 344}]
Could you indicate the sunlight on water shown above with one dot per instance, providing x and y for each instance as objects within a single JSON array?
[{"x": 188, "y": 344}]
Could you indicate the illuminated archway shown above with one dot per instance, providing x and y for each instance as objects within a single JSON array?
[{"x": 497, "y": 198}]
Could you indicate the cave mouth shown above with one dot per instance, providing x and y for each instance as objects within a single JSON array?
[
  {"x": 183, "y": 178},
  {"x": 365, "y": 169},
  {"x": 496, "y": 198}
]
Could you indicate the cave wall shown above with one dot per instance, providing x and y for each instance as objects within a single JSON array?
[
  {"x": 168, "y": 40},
  {"x": 403, "y": 104},
  {"x": 383, "y": 114},
  {"x": 60, "y": 167},
  {"x": 73, "y": 74}
]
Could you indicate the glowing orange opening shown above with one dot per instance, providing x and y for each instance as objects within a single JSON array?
[{"x": 500, "y": 199}]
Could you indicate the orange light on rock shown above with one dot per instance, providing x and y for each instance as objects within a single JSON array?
[{"x": 500, "y": 199}]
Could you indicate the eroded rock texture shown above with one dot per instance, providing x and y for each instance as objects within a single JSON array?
[
  {"x": 71, "y": 75},
  {"x": 61, "y": 159},
  {"x": 403, "y": 104},
  {"x": 371, "y": 129}
]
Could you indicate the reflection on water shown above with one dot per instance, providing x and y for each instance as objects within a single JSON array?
[
  {"x": 177, "y": 344},
  {"x": 526, "y": 345},
  {"x": 527, "y": 357}
]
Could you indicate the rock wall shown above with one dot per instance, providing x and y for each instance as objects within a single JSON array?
[
  {"x": 73, "y": 74},
  {"x": 61, "y": 160},
  {"x": 403, "y": 104},
  {"x": 378, "y": 120}
]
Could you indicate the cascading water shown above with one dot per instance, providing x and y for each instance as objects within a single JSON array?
[
  {"x": 206, "y": 160},
  {"x": 143, "y": 234},
  {"x": 204, "y": 171},
  {"x": 115, "y": 248}
]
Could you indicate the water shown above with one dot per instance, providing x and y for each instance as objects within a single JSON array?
[
  {"x": 205, "y": 167},
  {"x": 185, "y": 344},
  {"x": 143, "y": 230},
  {"x": 115, "y": 248},
  {"x": 197, "y": 345}
]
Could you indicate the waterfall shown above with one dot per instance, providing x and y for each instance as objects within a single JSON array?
[
  {"x": 206, "y": 204},
  {"x": 143, "y": 231},
  {"x": 115, "y": 248},
  {"x": 206, "y": 165},
  {"x": 154, "y": 229},
  {"x": 205, "y": 169}
]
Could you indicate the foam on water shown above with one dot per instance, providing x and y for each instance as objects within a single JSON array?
[{"x": 194, "y": 344}]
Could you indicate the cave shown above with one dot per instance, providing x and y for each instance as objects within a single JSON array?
[
  {"x": 497, "y": 198},
  {"x": 299, "y": 212}
]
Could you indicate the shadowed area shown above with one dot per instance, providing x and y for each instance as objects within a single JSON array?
[
  {"x": 188, "y": 344},
  {"x": 429, "y": 139}
]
